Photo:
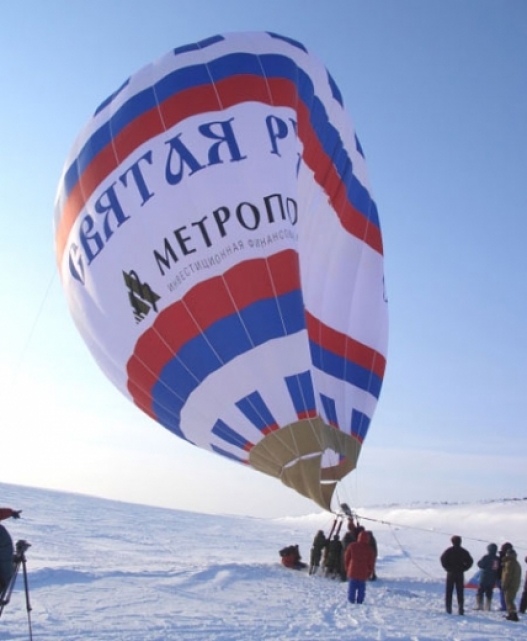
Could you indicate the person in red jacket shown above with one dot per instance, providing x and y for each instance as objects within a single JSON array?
[
  {"x": 291, "y": 558},
  {"x": 359, "y": 560}
]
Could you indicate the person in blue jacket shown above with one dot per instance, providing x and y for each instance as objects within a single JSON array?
[{"x": 489, "y": 566}]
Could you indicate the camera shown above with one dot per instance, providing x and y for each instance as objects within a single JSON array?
[{"x": 20, "y": 547}]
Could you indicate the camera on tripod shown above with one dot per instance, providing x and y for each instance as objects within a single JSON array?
[
  {"x": 19, "y": 560},
  {"x": 20, "y": 547}
]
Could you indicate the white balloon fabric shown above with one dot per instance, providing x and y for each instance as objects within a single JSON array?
[{"x": 222, "y": 257}]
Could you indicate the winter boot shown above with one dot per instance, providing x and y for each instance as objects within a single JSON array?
[
  {"x": 479, "y": 602},
  {"x": 488, "y": 602},
  {"x": 512, "y": 616}
]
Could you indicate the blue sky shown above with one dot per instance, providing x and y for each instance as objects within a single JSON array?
[{"x": 438, "y": 93}]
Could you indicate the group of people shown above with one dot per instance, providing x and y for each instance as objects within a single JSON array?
[
  {"x": 352, "y": 558},
  {"x": 496, "y": 570}
]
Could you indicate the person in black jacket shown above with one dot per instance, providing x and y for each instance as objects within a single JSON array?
[
  {"x": 319, "y": 544},
  {"x": 455, "y": 560},
  {"x": 6, "y": 548},
  {"x": 333, "y": 559},
  {"x": 373, "y": 544}
]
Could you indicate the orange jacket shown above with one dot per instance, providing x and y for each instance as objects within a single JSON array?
[{"x": 359, "y": 558}]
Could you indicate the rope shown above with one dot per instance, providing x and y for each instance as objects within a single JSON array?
[
  {"x": 34, "y": 325},
  {"x": 421, "y": 529},
  {"x": 405, "y": 553}
]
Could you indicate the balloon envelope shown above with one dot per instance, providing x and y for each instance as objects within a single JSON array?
[{"x": 222, "y": 257}]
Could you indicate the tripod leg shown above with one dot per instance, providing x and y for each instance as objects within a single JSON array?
[{"x": 28, "y": 604}]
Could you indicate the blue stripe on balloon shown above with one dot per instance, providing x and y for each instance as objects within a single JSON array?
[
  {"x": 335, "y": 91},
  {"x": 110, "y": 98},
  {"x": 182, "y": 80},
  {"x": 94, "y": 145},
  {"x": 195, "y": 46},
  {"x": 290, "y": 41},
  {"x": 228, "y": 337},
  {"x": 330, "y": 409},
  {"x": 345, "y": 370},
  {"x": 358, "y": 146},
  {"x": 301, "y": 392},
  {"x": 289, "y": 306},
  {"x": 168, "y": 414},
  {"x": 234, "y": 64},
  {"x": 259, "y": 332},
  {"x": 132, "y": 109},
  {"x": 227, "y": 434},
  {"x": 229, "y": 455},
  {"x": 254, "y": 408},
  {"x": 359, "y": 424}
]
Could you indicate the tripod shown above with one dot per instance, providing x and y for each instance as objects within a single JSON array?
[{"x": 19, "y": 559}]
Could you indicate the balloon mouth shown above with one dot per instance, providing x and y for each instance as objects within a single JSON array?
[{"x": 302, "y": 456}]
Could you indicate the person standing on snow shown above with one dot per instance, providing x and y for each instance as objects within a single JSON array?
[
  {"x": 373, "y": 544},
  {"x": 349, "y": 537},
  {"x": 6, "y": 548},
  {"x": 333, "y": 557},
  {"x": 523, "y": 600},
  {"x": 360, "y": 563},
  {"x": 511, "y": 577},
  {"x": 488, "y": 565},
  {"x": 456, "y": 561},
  {"x": 501, "y": 556},
  {"x": 319, "y": 543}
]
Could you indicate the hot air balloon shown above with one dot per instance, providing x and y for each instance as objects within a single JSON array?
[{"x": 222, "y": 258}]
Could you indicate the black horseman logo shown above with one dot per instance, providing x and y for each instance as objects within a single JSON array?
[{"x": 141, "y": 296}]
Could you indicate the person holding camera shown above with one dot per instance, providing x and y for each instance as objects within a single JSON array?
[{"x": 6, "y": 548}]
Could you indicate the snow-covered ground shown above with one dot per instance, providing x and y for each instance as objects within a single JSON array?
[{"x": 109, "y": 571}]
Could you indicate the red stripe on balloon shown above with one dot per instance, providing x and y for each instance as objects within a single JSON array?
[{"x": 345, "y": 346}]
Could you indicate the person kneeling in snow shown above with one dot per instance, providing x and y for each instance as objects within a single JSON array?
[
  {"x": 291, "y": 558},
  {"x": 359, "y": 560}
]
